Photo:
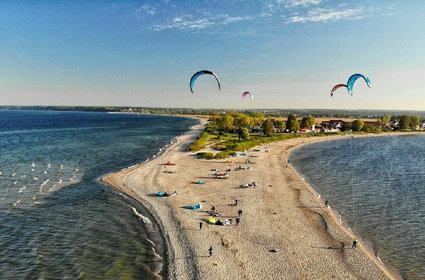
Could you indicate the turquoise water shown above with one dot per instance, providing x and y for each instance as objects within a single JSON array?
[
  {"x": 378, "y": 185},
  {"x": 56, "y": 220}
]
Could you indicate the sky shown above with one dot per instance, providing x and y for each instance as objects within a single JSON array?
[{"x": 287, "y": 53}]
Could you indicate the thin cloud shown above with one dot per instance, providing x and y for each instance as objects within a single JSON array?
[
  {"x": 303, "y": 3},
  {"x": 323, "y": 15},
  {"x": 189, "y": 22},
  {"x": 145, "y": 9},
  {"x": 273, "y": 5}
]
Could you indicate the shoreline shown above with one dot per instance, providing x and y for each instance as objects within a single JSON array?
[{"x": 179, "y": 226}]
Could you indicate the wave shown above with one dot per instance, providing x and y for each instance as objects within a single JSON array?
[{"x": 146, "y": 221}]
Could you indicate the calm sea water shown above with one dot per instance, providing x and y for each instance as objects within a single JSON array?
[
  {"x": 56, "y": 220},
  {"x": 378, "y": 184}
]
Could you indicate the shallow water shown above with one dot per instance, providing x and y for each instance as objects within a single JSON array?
[
  {"x": 378, "y": 185},
  {"x": 57, "y": 221}
]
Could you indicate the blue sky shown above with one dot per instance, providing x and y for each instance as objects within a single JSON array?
[{"x": 288, "y": 53}]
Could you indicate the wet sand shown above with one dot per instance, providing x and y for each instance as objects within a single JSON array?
[{"x": 285, "y": 231}]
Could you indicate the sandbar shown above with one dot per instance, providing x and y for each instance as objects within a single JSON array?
[{"x": 285, "y": 230}]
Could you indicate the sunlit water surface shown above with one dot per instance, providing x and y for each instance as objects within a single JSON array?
[
  {"x": 56, "y": 220},
  {"x": 378, "y": 184}
]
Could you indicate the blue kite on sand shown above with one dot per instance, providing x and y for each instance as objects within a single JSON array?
[{"x": 195, "y": 207}]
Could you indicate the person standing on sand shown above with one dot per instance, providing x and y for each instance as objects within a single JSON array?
[
  {"x": 237, "y": 221},
  {"x": 240, "y": 213},
  {"x": 210, "y": 251},
  {"x": 200, "y": 225},
  {"x": 354, "y": 244},
  {"x": 342, "y": 246}
]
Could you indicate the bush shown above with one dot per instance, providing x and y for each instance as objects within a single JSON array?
[
  {"x": 200, "y": 143},
  {"x": 222, "y": 155},
  {"x": 205, "y": 155}
]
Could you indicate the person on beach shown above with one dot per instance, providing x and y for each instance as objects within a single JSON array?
[
  {"x": 212, "y": 208},
  {"x": 210, "y": 251},
  {"x": 236, "y": 202},
  {"x": 354, "y": 244},
  {"x": 342, "y": 246},
  {"x": 326, "y": 203},
  {"x": 237, "y": 221},
  {"x": 200, "y": 225},
  {"x": 240, "y": 213}
]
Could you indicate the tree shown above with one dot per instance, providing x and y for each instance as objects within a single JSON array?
[
  {"x": 280, "y": 125},
  {"x": 357, "y": 125},
  {"x": 414, "y": 122},
  {"x": 225, "y": 122},
  {"x": 245, "y": 133},
  {"x": 307, "y": 121},
  {"x": 385, "y": 119},
  {"x": 267, "y": 127},
  {"x": 257, "y": 118},
  {"x": 367, "y": 127},
  {"x": 241, "y": 120},
  {"x": 293, "y": 126},
  {"x": 404, "y": 122},
  {"x": 291, "y": 117}
]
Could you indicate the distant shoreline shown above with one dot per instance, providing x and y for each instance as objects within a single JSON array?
[{"x": 162, "y": 209}]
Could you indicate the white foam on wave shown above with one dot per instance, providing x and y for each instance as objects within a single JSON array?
[
  {"x": 22, "y": 189},
  {"x": 16, "y": 203},
  {"x": 145, "y": 220},
  {"x": 44, "y": 183}
]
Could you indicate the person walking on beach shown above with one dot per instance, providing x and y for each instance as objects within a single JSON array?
[
  {"x": 237, "y": 221},
  {"x": 236, "y": 202},
  {"x": 200, "y": 225},
  {"x": 210, "y": 251},
  {"x": 342, "y": 246},
  {"x": 354, "y": 244},
  {"x": 240, "y": 213}
]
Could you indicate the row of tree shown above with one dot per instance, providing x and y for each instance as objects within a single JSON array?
[{"x": 242, "y": 123}]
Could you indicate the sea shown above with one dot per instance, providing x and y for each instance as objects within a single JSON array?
[
  {"x": 57, "y": 220},
  {"x": 377, "y": 185}
]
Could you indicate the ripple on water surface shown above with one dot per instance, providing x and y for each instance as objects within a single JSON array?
[
  {"x": 377, "y": 185},
  {"x": 57, "y": 221}
]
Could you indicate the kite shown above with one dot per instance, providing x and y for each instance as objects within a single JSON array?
[
  {"x": 246, "y": 93},
  {"x": 337, "y": 87},
  {"x": 353, "y": 78},
  {"x": 199, "y": 73}
]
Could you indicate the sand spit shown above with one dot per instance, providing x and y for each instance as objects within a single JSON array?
[{"x": 285, "y": 230}]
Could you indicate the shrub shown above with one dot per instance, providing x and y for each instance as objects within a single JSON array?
[
  {"x": 205, "y": 155},
  {"x": 222, "y": 155}
]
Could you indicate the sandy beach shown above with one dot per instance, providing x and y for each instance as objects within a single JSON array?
[{"x": 285, "y": 230}]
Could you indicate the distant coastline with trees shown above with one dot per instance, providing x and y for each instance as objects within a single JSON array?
[{"x": 233, "y": 132}]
